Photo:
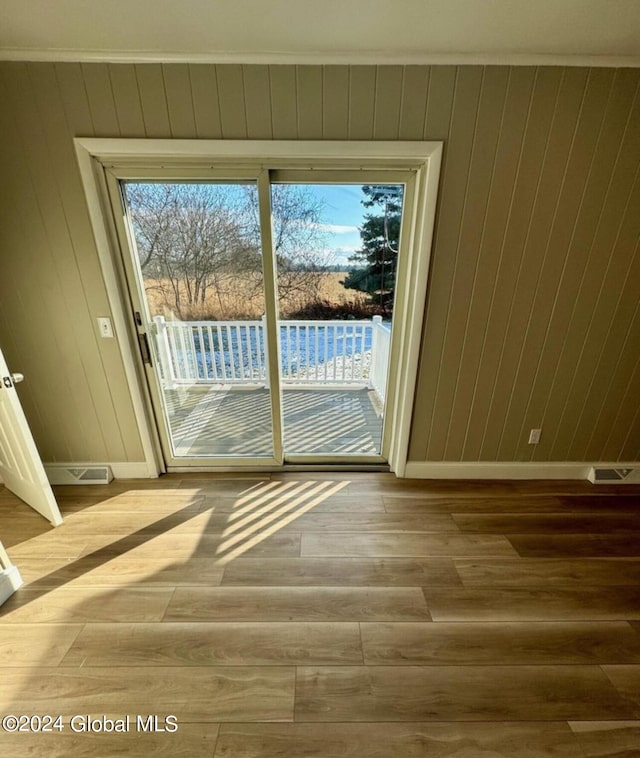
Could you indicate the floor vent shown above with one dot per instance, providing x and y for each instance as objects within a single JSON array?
[
  {"x": 613, "y": 475},
  {"x": 60, "y": 474}
]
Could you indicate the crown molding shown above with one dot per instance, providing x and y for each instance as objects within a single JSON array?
[{"x": 373, "y": 57}]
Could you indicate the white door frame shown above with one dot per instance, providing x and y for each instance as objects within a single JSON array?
[{"x": 96, "y": 154}]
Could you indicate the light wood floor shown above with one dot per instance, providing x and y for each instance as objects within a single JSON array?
[{"x": 328, "y": 615}]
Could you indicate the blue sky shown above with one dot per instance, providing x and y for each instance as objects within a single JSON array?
[{"x": 342, "y": 215}]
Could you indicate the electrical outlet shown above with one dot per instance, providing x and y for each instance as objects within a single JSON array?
[
  {"x": 534, "y": 436},
  {"x": 106, "y": 330}
]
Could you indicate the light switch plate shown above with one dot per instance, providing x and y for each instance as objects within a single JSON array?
[{"x": 106, "y": 330}]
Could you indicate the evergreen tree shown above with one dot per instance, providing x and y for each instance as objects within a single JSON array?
[{"x": 376, "y": 262}]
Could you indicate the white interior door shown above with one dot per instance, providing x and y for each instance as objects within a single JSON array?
[
  {"x": 10, "y": 579},
  {"x": 21, "y": 469}
]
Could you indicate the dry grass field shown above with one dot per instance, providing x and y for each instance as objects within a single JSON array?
[{"x": 236, "y": 298}]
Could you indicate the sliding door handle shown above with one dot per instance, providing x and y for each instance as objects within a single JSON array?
[{"x": 144, "y": 348}]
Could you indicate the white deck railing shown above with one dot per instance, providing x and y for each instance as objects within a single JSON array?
[
  {"x": 311, "y": 352},
  {"x": 380, "y": 352}
]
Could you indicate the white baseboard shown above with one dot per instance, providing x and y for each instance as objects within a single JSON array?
[
  {"x": 123, "y": 470},
  {"x": 139, "y": 470},
  {"x": 490, "y": 470},
  {"x": 431, "y": 470}
]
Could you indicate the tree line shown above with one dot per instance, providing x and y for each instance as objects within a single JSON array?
[{"x": 195, "y": 240}]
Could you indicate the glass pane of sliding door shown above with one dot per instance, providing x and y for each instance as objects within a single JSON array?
[
  {"x": 198, "y": 261},
  {"x": 336, "y": 248}
]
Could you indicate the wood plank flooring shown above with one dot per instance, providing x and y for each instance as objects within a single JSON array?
[{"x": 328, "y": 615}]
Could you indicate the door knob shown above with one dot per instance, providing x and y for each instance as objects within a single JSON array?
[{"x": 17, "y": 378}]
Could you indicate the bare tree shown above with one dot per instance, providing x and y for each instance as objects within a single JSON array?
[
  {"x": 299, "y": 242},
  {"x": 197, "y": 240},
  {"x": 186, "y": 236}
]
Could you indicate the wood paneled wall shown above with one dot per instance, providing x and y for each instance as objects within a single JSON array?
[{"x": 533, "y": 315}]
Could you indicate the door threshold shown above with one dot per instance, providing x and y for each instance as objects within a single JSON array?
[
  {"x": 346, "y": 467},
  {"x": 338, "y": 467}
]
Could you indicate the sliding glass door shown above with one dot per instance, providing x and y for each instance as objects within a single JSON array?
[
  {"x": 336, "y": 277},
  {"x": 199, "y": 267},
  {"x": 263, "y": 305}
]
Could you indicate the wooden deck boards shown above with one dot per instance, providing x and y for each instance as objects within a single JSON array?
[
  {"x": 208, "y": 421},
  {"x": 391, "y": 618}
]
